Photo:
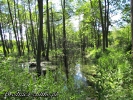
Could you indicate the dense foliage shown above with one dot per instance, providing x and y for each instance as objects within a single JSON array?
[{"x": 63, "y": 34}]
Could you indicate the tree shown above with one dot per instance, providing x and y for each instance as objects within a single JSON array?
[
  {"x": 53, "y": 31},
  {"x": 32, "y": 30},
  {"x": 104, "y": 21},
  {"x": 65, "y": 57},
  {"x": 1, "y": 35},
  {"x": 26, "y": 33},
  {"x": 40, "y": 35},
  {"x": 48, "y": 31},
  {"x": 3, "y": 44},
  {"x": 14, "y": 24}
]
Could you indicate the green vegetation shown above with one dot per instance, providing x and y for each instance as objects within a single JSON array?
[
  {"x": 68, "y": 50},
  {"x": 112, "y": 70},
  {"x": 16, "y": 80}
]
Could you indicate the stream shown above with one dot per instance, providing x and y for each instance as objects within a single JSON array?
[{"x": 79, "y": 78}]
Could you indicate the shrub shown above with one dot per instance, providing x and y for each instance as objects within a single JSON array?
[{"x": 114, "y": 77}]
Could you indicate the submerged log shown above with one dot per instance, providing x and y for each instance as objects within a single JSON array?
[
  {"x": 45, "y": 66},
  {"x": 32, "y": 64}
]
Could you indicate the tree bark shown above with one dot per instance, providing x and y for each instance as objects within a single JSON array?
[
  {"x": 32, "y": 30},
  {"x": 10, "y": 44},
  {"x": 6, "y": 44},
  {"x": 14, "y": 30},
  {"x": 38, "y": 59},
  {"x": 48, "y": 31},
  {"x": 104, "y": 22},
  {"x": 27, "y": 37},
  {"x": 54, "y": 38},
  {"x": 107, "y": 21},
  {"x": 101, "y": 16},
  {"x": 65, "y": 57},
  {"x": 4, "y": 50}
]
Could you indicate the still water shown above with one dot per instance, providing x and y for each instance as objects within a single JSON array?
[{"x": 79, "y": 78}]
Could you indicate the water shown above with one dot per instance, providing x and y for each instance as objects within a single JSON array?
[
  {"x": 79, "y": 78},
  {"x": 25, "y": 66}
]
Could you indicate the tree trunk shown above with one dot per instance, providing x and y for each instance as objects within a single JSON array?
[
  {"x": 4, "y": 50},
  {"x": 101, "y": 16},
  {"x": 27, "y": 43},
  {"x": 10, "y": 44},
  {"x": 54, "y": 38},
  {"x": 65, "y": 58},
  {"x": 14, "y": 30},
  {"x": 37, "y": 24},
  {"x": 21, "y": 43},
  {"x": 38, "y": 59},
  {"x": 6, "y": 44},
  {"x": 20, "y": 30},
  {"x": 104, "y": 22},
  {"x": 32, "y": 30},
  {"x": 48, "y": 31},
  {"x": 107, "y": 22},
  {"x": 27, "y": 38}
]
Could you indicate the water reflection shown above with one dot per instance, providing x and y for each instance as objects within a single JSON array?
[{"x": 79, "y": 78}]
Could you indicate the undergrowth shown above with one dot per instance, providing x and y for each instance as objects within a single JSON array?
[
  {"x": 114, "y": 76},
  {"x": 17, "y": 84}
]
